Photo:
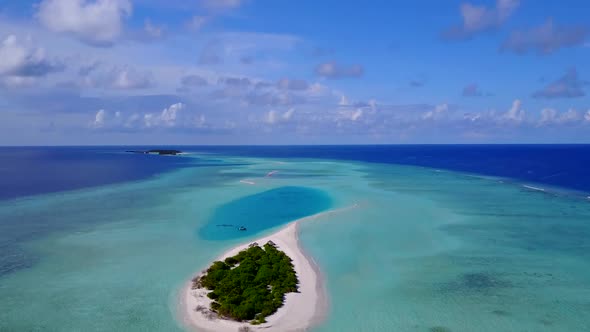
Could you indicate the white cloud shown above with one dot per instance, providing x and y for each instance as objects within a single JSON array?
[
  {"x": 17, "y": 81},
  {"x": 174, "y": 116},
  {"x": 350, "y": 115},
  {"x": 99, "y": 119},
  {"x": 479, "y": 18},
  {"x": 316, "y": 89},
  {"x": 356, "y": 115},
  {"x": 547, "y": 115},
  {"x": 551, "y": 116},
  {"x": 515, "y": 114},
  {"x": 129, "y": 79},
  {"x": 98, "y": 22},
  {"x": 23, "y": 60},
  {"x": 587, "y": 116},
  {"x": 273, "y": 117},
  {"x": 104, "y": 119},
  {"x": 287, "y": 115},
  {"x": 13, "y": 55},
  {"x": 343, "y": 101},
  {"x": 100, "y": 76},
  {"x": 570, "y": 116},
  {"x": 437, "y": 113},
  {"x": 167, "y": 118}
]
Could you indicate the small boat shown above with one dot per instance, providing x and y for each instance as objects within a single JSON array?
[{"x": 242, "y": 228}]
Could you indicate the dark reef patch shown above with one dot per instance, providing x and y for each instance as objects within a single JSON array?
[
  {"x": 480, "y": 282},
  {"x": 545, "y": 322},
  {"x": 502, "y": 313},
  {"x": 439, "y": 329}
]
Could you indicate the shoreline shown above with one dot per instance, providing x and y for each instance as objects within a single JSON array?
[{"x": 300, "y": 311}]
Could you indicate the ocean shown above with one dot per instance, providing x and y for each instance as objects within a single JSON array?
[{"x": 445, "y": 238}]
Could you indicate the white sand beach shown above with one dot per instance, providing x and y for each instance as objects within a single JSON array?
[{"x": 300, "y": 311}]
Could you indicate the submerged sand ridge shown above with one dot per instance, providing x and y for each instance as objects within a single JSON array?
[{"x": 299, "y": 312}]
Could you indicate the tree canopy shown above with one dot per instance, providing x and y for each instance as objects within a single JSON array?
[{"x": 250, "y": 285}]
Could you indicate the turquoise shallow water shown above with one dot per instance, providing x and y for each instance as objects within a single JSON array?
[
  {"x": 261, "y": 211},
  {"x": 424, "y": 249}
]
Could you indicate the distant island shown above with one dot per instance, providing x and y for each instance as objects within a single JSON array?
[
  {"x": 249, "y": 286},
  {"x": 157, "y": 151}
]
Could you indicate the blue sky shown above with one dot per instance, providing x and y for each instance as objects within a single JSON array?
[{"x": 294, "y": 72}]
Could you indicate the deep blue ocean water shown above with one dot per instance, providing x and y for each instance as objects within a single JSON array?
[
  {"x": 28, "y": 171},
  {"x": 563, "y": 166},
  {"x": 36, "y": 170}
]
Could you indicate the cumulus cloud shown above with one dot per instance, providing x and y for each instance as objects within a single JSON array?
[
  {"x": 103, "y": 119},
  {"x": 130, "y": 79},
  {"x": 587, "y": 116},
  {"x": 99, "y": 119},
  {"x": 274, "y": 117},
  {"x": 17, "y": 81},
  {"x": 551, "y": 116},
  {"x": 349, "y": 115},
  {"x": 97, "y": 75},
  {"x": 546, "y": 38},
  {"x": 437, "y": 113},
  {"x": 354, "y": 111},
  {"x": 166, "y": 118},
  {"x": 343, "y": 101},
  {"x": 333, "y": 70},
  {"x": 570, "y": 116},
  {"x": 515, "y": 114},
  {"x": 356, "y": 115},
  {"x": 478, "y": 19},
  {"x": 176, "y": 116},
  {"x": 98, "y": 22},
  {"x": 568, "y": 86},
  {"x": 21, "y": 60}
]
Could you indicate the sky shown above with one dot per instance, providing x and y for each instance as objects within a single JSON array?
[{"x": 102, "y": 72}]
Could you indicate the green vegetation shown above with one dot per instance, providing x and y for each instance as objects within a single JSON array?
[{"x": 251, "y": 285}]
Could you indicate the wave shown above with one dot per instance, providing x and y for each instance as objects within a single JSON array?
[{"x": 533, "y": 188}]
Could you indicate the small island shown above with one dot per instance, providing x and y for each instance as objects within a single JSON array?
[
  {"x": 249, "y": 286},
  {"x": 270, "y": 288},
  {"x": 157, "y": 151}
]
